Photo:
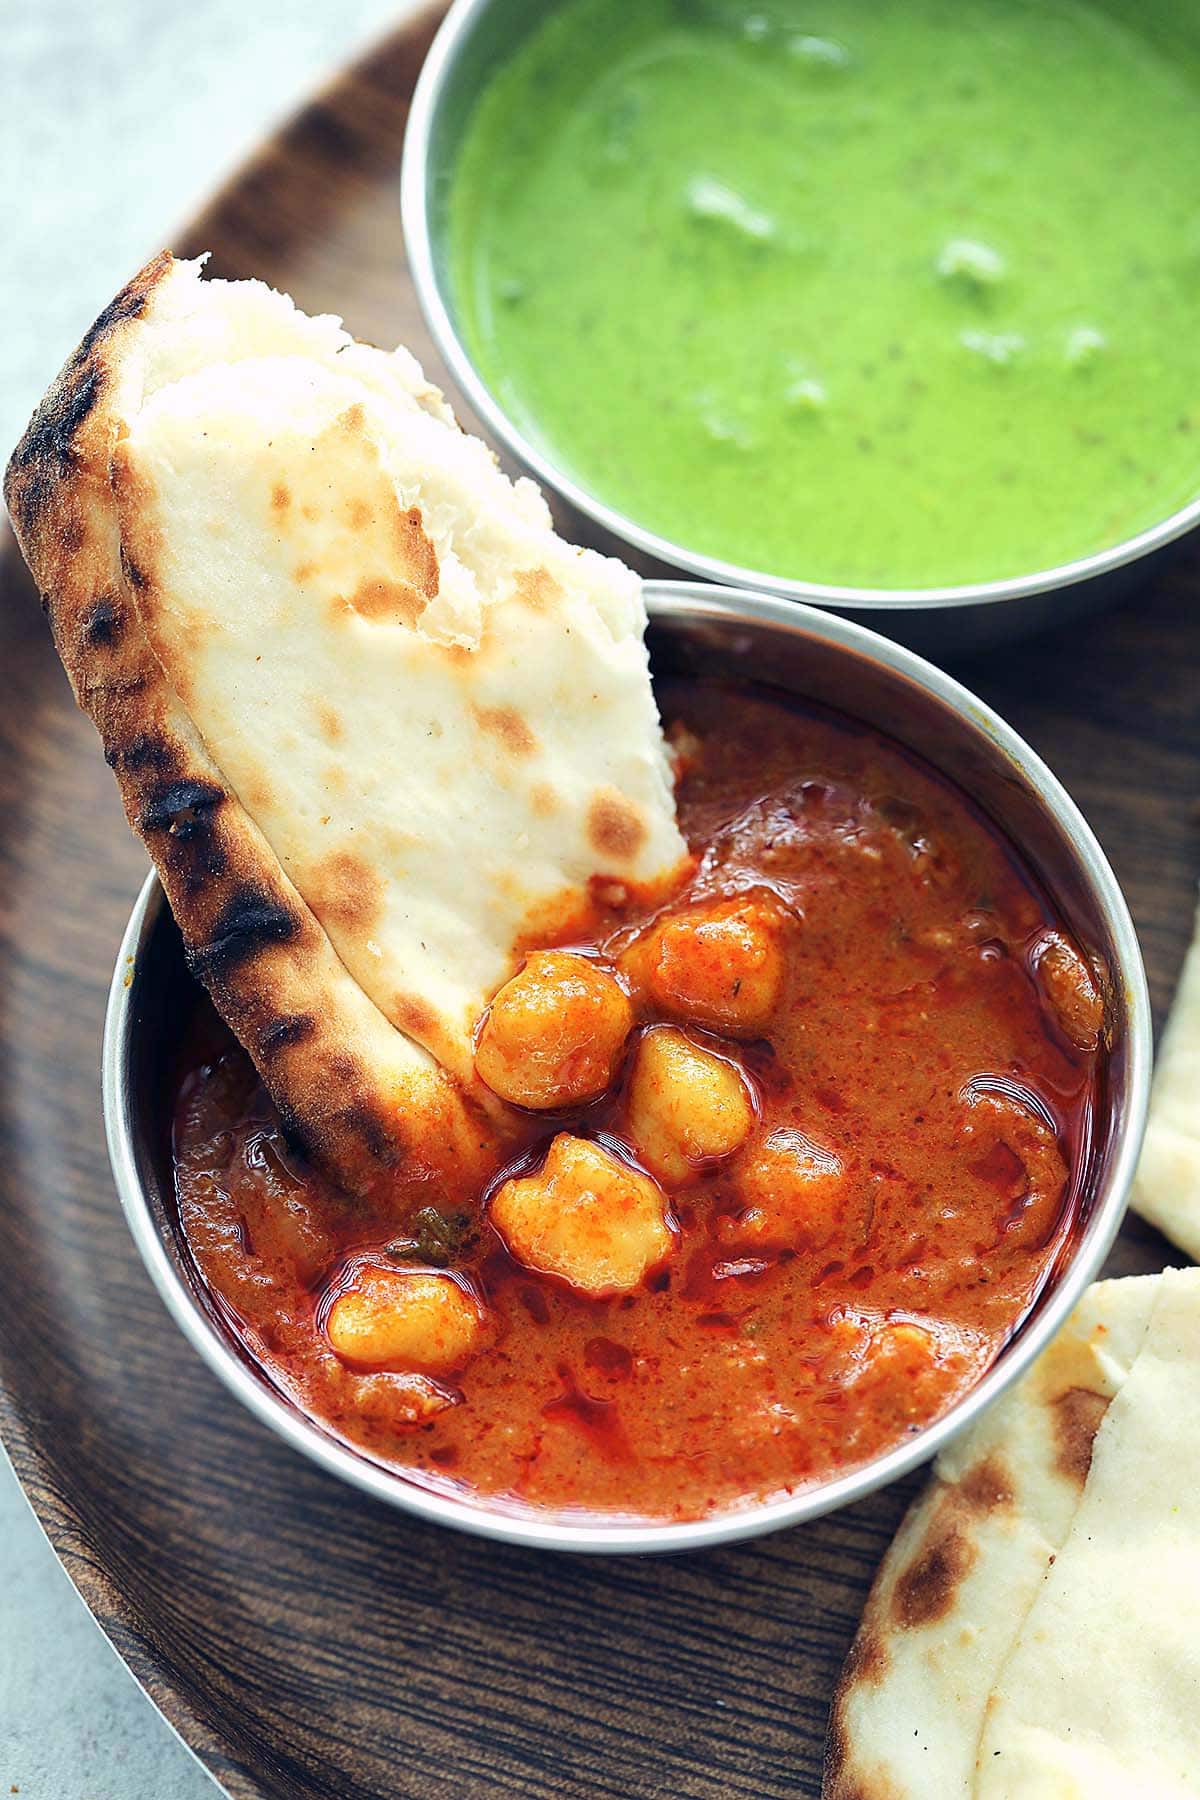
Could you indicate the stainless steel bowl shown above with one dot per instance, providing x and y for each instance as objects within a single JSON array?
[
  {"x": 475, "y": 36},
  {"x": 695, "y": 628}
]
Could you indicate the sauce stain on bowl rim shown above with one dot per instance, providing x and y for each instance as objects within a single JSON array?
[
  {"x": 938, "y": 618},
  {"x": 692, "y": 622}
]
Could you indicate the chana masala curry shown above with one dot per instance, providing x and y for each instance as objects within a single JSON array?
[{"x": 782, "y": 1163}]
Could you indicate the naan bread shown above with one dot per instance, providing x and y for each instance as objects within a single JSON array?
[
  {"x": 1167, "y": 1187},
  {"x": 1100, "y": 1699},
  {"x": 373, "y": 720},
  {"x": 989, "y": 1662}
]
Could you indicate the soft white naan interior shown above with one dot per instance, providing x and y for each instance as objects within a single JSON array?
[
  {"x": 1100, "y": 1698},
  {"x": 437, "y": 712}
]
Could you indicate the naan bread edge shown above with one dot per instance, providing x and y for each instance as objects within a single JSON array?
[{"x": 352, "y": 1090}]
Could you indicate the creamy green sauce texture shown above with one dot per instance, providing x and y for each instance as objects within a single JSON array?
[{"x": 892, "y": 294}]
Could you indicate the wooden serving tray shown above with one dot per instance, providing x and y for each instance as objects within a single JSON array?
[{"x": 305, "y": 1641}]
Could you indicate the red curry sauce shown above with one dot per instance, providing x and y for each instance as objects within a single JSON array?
[{"x": 936, "y": 1039}]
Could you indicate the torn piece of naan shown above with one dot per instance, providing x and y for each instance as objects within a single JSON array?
[
  {"x": 1100, "y": 1696},
  {"x": 963, "y": 1571},
  {"x": 1030, "y": 1633},
  {"x": 1166, "y": 1189},
  {"x": 375, "y": 722}
]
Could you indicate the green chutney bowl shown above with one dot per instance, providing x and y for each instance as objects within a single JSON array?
[{"x": 475, "y": 38}]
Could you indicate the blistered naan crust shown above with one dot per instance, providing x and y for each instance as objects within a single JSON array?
[{"x": 354, "y": 1091}]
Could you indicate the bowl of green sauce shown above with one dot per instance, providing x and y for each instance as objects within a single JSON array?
[{"x": 894, "y": 307}]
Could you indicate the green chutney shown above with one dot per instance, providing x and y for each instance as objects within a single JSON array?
[{"x": 881, "y": 295}]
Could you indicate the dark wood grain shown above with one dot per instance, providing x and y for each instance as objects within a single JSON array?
[{"x": 304, "y": 1640}]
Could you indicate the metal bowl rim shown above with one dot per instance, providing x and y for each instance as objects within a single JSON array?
[
  {"x": 681, "y": 603},
  {"x": 432, "y": 83}
]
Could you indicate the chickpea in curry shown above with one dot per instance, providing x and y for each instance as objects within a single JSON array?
[{"x": 785, "y": 1158}]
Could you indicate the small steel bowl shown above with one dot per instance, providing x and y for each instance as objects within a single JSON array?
[
  {"x": 475, "y": 36},
  {"x": 697, "y": 629}
]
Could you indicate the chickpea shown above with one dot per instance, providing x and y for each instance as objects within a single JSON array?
[
  {"x": 685, "y": 1105},
  {"x": 721, "y": 965},
  {"x": 554, "y": 1034},
  {"x": 793, "y": 1190},
  {"x": 412, "y": 1319},
  {"x": 1069, "y": 990},
  {"x": 585, "y": 1217}
]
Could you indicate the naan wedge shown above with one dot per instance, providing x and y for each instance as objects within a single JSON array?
[
  {"x": 1100, "y": 1697},
  {"x": 952, "y": 1593},
  {"x": 374, "y": 721},
  {"x": 1167, "y": 1187}
]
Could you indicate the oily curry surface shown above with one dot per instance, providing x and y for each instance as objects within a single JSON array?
[{"x": 789, "y": 1158}]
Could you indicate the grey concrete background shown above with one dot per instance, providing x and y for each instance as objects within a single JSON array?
[{"x": 116, "y": 119}]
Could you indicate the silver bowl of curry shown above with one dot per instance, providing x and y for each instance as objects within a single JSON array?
[{"x": 911, "y": 1136}]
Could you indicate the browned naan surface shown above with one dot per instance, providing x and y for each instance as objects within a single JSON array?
[{"x": 250, "y": 937}]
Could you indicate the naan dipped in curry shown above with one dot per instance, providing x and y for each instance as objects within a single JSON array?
[
  {"x": 374, "y": 721},
  {"x": 699, "y": 1155}
]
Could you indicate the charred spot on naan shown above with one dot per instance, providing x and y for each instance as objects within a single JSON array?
[
  {"x": 352, "y": 421},
  {"x": 868, "y": 1660},
  {"x": 47, "y": 449},
  {"x": 507, "y": 727},
  {"x": 372, "y": 533},
  {"x": 926, "y": 1588},
  {"x": 288, "y": 1029},
  {"x": 418, "y": 1020},
  {"x": 145, "y": 754},
  {"x": 1076, "y": 1415},
  {"x": 329, "y": 721},
  {"x": 988, "y": 1486},
  {"x": 251, "y": 920},
  {"x": 615, "y": 827},
  {"x": 460, "y": 655},
  {"x": 544, "y": 799},
  {"x": 383, "y": 602},
  {"x": 138, "y": 577},
  {"x": 179, "y": 820},
  {"x": 358, "y": 1121},
  {"x": 185, "y": 809},
  {"x": 104, "y": 622},
  {"x": 537, "y": 588},
  {"x": 414, "y": 549},
  {"x": 344, "y": 890},
  {"x": 50, "y": 448}
]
